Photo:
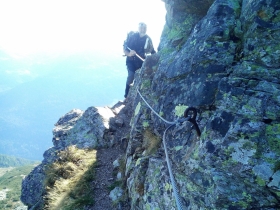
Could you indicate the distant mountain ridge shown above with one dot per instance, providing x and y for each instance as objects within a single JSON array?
[{"x": 11, "y": 161}]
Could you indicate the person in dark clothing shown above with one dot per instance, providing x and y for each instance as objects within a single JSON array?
[{"x": 136, "y": 43}]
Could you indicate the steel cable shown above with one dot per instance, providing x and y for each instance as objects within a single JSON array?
[{"x": 172, "y": 179}]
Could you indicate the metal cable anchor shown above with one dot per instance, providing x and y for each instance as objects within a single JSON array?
[{"x": 190, "y": 115}]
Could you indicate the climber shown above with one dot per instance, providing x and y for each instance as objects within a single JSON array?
[{"x": 135, "y": 47}]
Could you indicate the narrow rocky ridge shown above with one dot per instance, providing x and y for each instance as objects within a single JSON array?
[
  {"x": 106, "y": 169},
  {"x": 105, "y": 178},
  {"x": 104, "y": 128}
]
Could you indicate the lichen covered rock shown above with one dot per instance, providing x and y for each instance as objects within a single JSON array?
[
  {"x": 83, "y": 129},
  {"x": 224, "y": 62}
]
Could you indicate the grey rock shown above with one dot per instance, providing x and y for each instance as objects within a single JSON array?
[
  {"x": 116, "y": 193},
  {"x": 119, "y": 122},
  {"x": 275, "y": 183},
  {"x": 119, "y": 176},
  {"x": 85, "y": 130},
  {"x": 33, "y": 188},
  {"x": 116, "y": 163}
]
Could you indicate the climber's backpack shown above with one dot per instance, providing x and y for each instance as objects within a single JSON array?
[{"x": 130, "y": 40}]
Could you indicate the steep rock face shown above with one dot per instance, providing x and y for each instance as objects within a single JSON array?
[{"x": 222, "y": 57}]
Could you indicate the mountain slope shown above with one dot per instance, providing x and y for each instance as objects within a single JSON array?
[
  {"x": 11, "y": 161},
  {"x": 10, "y": 187}
]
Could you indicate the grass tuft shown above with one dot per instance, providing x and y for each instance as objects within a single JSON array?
[
  {"x": 151, "y": 142},
  {"x": 68, "y": 180}
]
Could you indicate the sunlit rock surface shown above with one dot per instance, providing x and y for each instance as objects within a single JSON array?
[{"x": 82, "y": 129}]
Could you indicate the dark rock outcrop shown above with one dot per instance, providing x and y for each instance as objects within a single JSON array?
[{"x": 224, "y": 62}]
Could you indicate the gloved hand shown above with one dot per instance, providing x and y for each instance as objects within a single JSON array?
[{"x": 131, "y": 53}]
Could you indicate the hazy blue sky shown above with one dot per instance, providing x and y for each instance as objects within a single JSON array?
[
  {"x": 55, "y": 26},
  {"x": 56, "y": 55}
]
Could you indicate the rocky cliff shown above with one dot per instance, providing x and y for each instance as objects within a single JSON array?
[{"x": 223, "y": 58}]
